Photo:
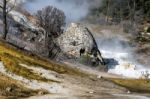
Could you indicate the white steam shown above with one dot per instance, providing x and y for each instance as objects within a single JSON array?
[
  {"x": 73, "y": 9},
  {"x": 120, "y": 58}
]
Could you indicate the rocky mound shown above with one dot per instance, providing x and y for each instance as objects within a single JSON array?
[{"x": 78, "y": 40}]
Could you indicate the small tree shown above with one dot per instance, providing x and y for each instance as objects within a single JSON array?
[
  {"x": 5, "y": 9},
  {"x": 52, "y": 20}
]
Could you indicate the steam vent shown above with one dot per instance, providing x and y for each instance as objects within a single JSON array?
[{"x": 78, "y": 37}]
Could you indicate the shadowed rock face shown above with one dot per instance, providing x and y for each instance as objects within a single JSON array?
[{"x": 78, "y": 37}]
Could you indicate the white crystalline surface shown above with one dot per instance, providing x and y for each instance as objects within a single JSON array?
[
  {"x": 42, "y": 72},
  {"x": 34, "y": 84},
  {"x": 124, "y": 65}
]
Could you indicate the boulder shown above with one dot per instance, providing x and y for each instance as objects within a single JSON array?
[{"x": 76, "y": 38}]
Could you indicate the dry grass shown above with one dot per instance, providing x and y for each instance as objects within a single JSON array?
[
  {"x": 12, "y": 64},
  {"x": 17, "y": 90},
  {"x": 134, "y": 85},
  {"x": 12, "y": 57}
]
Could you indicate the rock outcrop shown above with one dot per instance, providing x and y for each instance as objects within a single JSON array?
[
  {"x": 77, "y": 38},
  {"x": 24, "y": 33}
]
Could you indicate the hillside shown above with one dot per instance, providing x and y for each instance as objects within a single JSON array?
[
  {"x": 74, "y": 49},
  {"x": 30, "y": 75},
  {"x": 23, "y": 74}
]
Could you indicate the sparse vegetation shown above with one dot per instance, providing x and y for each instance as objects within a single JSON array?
[
  {"x": 12, "y": 89},
  {"x": 134, "y": 85},
  {"x": 52, "y": 20},
  {"x": 11, "y": 58},
  {"x": 119, "y": 10},
  {"x": 12, "y": 65}
]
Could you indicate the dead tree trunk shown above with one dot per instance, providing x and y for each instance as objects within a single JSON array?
[
  {"x": 5, "y": 29},
  {"x": 6, "y": 8}
]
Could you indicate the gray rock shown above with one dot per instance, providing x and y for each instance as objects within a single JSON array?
[
  {"x": 78, "y": 37},
  {"x": 75, "y": 38}
]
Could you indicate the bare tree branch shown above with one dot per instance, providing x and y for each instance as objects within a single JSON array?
[{"x": 51, "y": 19}]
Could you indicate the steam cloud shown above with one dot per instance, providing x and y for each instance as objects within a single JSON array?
[
  {"x": 120, "y": 56},
  {"x": 74, "y": 10}
]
